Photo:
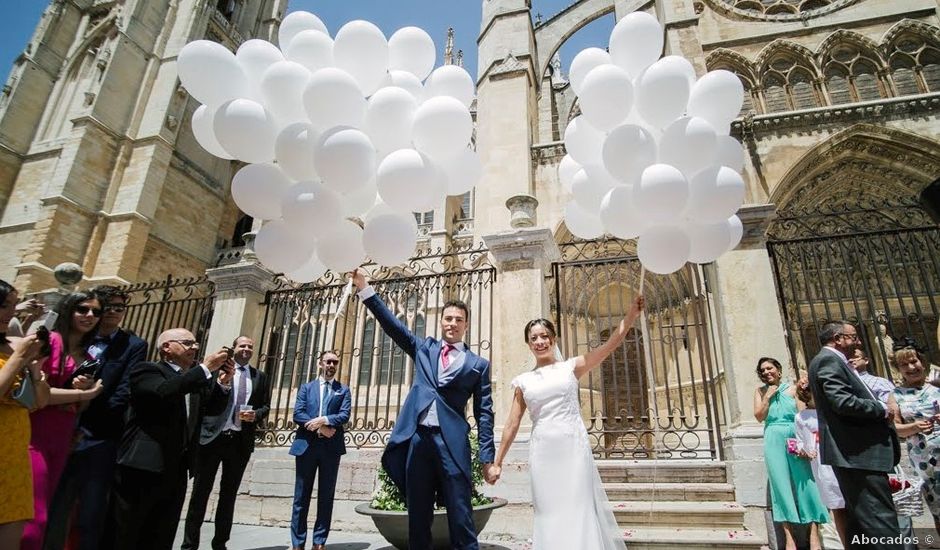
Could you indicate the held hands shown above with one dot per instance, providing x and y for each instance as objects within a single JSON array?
[
  {"x": 326, "y": 431},
  {"x": 924, "y": 426},
  {"x": 491, "y": 473},
  {"x": 359, "y": 278},
  {"x": 316, "y": 423}
]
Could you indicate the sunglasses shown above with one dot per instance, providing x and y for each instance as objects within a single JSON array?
[
  {"x": 331, "y": 361},
  {"x": 84, "y": 310},
  {"x": 116, "y": 308}
]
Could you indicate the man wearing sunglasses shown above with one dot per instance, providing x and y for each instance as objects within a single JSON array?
[
  {"x": 322, "y": 407},
  {"x": 88, "y": 476}
]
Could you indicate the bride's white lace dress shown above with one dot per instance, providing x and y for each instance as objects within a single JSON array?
[{"x": 571, "y": 507}]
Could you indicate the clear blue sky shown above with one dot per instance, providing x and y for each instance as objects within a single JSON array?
[{"x": 20, "y": 18}]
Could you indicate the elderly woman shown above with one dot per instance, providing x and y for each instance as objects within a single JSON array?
[
  {"x": 915, "y": 417},
  {"x": 793, "y": 492}
]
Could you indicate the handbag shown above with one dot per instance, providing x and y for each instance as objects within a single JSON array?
[
  {"x": 24, "y": 392},
  {"x": 908, "y": 500}
]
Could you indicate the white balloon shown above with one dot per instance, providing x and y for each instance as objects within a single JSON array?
[
  {"x": 636, "y": 42},
  {"x": 390, "y": 239},
  {"x": 279, "y": 249},
  {"x": 255, "y": 56},
  {"x": 308, "y": 272},
  {"x": 663, "y": 249},
  {"x": 689, "y": 144},
  {"x": 662, "y": 194},
  {"x": 341, "y": 249},
  {"x": 737, "y": 231},
  {"x": 627, "y": 151},
  {"x": 582, "y": 224},
  {"x": 442, "y": 127},
  {"x": 708, "y": 240},
  {"x": 406, "y": 81},
  {"x": 282, "y": 90},
  {"x": 345, "y": 159},
  {"x": 245, "y": 130},
  {"x": 679, "y": 64},
  {"x": 389, "y": 117},
  {"x": 205, "y": 134},
  {"x": 606, "y": 97},
  {"x": 715, "y": 194},
  {"x": 210, "y": 73},
  {"x": 312, "y": 49},
  {"x": 411, "y": 49},
  {"x": 589, "y": 186},
  {"x": 296, "y": 23},
  {"x": 584, "y": 142},
  {"x": 619, "y": 215},
  {"x": 359, "y": 202},
  {"x": 310, "y": 209},
  {"x": 450, "y": 80},
  {"x": 462, "y": 172},
  {"x": 361, "y": 49},
  {"x": 333, "y": 98},
  {"x": 662, "y": 92},
  {"x": 567, "y": 168},
  {"x": 409, "y": 182},
  {"x": 730, "y": 153},
  {"x": 717, "y": 97},
  {"x": 257, "y": 190},
  {"x": 586, "y": 60},
  {"x": 294, "y": 148}
]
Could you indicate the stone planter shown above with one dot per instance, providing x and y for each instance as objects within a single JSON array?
[{"x": 394, "y": 525}]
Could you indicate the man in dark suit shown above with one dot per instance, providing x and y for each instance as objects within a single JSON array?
[
  {"x": 323, "y": 406},
  {"x": 429, "y": 450},
  {"x": 227, "y": 437},
  {"x": 160, "y": 442},
  {"x": 89, "y": 473},
  {"x": 856, "y": 437}
]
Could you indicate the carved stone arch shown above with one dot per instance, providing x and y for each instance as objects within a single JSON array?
[
  {"x": 557, "y": 29},
  {"x": 101, "y": 31},
  {"x": 843, "y": 36},
  {"x": 929, "y": 32},
  {"x": 723, "y": 58},
  {"x": 785, "y": 47},
  {"x": 863, "y": 162}
]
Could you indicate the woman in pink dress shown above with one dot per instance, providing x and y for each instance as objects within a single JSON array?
[{"x": 53, "y": 427}]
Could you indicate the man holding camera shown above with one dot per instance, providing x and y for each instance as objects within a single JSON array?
[
  {"x": 88, "y": 476},
  {"x": 160, "y": 441},
  {"x": 237, "y": 403}
]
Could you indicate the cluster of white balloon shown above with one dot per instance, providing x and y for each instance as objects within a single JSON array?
[
  {"x": 650, "y": 156},
  {"x": 328, "y": 124}
]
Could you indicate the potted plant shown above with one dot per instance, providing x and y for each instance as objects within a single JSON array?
[{"x": 390, "y": 515}]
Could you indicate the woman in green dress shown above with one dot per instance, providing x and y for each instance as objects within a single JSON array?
[{"x": 793, "y": 492}]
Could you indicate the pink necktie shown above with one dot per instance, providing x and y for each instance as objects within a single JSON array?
[{"x": 445, "y": 355}]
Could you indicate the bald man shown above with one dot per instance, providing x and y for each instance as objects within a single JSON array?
[{"x": 160, "y": 441}]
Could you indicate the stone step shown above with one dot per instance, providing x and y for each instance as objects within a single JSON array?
[
  {"x": 665, "y": 538},
  {"x": 662, "y": 471},
  {"x": 721, "y": 515},
  {"x": 702, "y": 492}
]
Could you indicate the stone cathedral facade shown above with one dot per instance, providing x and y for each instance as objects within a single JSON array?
[{"x": 841, "y": 130}]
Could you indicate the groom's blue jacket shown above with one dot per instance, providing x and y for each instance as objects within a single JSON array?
[{"x": 473, "y": 379}]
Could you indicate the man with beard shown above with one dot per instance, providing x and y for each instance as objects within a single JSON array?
[{"x": 856, "y": 438}]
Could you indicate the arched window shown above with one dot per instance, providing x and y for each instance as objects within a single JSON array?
[
  {"x": 789, "y": 84},
  {"x": 915, "y": 62},
  {"x": 902, "y": 72},
  {"x": 851, "y": 75},
  {"x": 775, "y": 93},
  {"x": 837, "y": 83}
]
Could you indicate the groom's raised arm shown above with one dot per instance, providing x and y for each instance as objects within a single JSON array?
[
  {"x": 483, "y": 412},
  {"x": 389, "y": 323}
]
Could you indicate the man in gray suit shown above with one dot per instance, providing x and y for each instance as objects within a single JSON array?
[
  {"x": 856, "y": 438},
  {"x": 227, "y": 437}
]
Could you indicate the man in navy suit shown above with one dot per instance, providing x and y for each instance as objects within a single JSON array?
[
  {"x": 323, "y": 406},
  {"x": 429, "y": 450},
  {"x": 88, "y": 475}
]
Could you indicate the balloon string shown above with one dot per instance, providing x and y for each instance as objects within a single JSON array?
[
  {"x": 340, "y": 310},
  {"x": 642, "y": 277}
]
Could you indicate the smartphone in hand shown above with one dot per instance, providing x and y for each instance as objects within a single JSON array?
[{"x": 47, "y": 321}]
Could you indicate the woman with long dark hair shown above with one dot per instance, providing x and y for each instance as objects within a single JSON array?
[
  {"x": 16, "y": 480},
  {"x": 53, "y": 427}
]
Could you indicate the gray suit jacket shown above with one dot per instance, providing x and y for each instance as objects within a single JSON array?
[{"x": 853, "y": 430}]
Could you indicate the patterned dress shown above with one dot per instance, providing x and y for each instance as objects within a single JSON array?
[
  {"x": 923, "y": 450},
  {"x": 16, "y": 475}
]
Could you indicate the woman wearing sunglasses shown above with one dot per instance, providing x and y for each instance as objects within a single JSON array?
[{"x": 53, "y": 426}]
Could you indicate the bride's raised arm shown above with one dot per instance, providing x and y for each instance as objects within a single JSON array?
[
  {"x": 509, "y": 432},
  {"x": 590, "y": 360}
]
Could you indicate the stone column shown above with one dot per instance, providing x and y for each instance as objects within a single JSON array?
[{"x": 240, "y": 289}]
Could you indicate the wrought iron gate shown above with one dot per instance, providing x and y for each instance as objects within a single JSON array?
[
  {"x": 876, "y": 266},
  {"x": 302, "y": 322},
  {"x": 671, "y": 406},
  {"x": 171, "y": 303}
]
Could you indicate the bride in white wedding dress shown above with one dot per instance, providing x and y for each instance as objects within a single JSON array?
[{"x": 571, "y": 507}]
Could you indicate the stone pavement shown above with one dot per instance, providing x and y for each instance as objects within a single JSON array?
[{"x": 254, "y": 537}]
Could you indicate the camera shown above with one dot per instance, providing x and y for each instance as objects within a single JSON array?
[{"x": 42, "y": 334}]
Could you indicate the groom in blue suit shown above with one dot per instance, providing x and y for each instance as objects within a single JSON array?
[
  {"x": 429, "y": 451},
  {"x": 323, "y": 406}
]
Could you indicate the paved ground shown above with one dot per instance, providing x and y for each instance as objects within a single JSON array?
[{"x": 252, "y": 537}]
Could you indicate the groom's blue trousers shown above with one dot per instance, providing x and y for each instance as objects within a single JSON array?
[{"x": 430, "y": 468}]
